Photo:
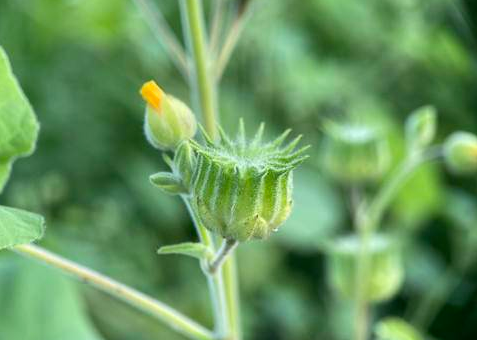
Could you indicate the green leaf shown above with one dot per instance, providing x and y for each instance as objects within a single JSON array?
[
  {"x": 41, "y": 303},
  {"x": 19, "y": 227},
  {"x": 197, "y": 250},
  {"x": 396, "y": 329},
  {"x": 168, "y": 182},
  {"x": 18, "y": 124}
]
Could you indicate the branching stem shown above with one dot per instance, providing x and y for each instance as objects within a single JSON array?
[
  {"x": 370, "y": 221},
  {"x": 226, "y": 249}
]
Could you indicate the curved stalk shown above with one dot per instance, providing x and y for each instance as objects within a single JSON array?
[
  {"x": 370, "y": 221},
  {"x": 158, "y": 309}
]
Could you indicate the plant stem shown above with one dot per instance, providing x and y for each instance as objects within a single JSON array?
[
  {"x": 215, "y": 282},
  {"x": 229, "y": 273},
  {"x": 387, "y": 193},
  {"x": 203, "y": 88},
  {"x": 164, "y": 34},
  {"x": 361, "y": 312},
  {"x": 203, "y": 84},
  {"x": 227, "y": 247},
  {"x": 231, "y": 41},
  {"x": 161, "y": 311},
  {"x": 217, "y": 20},
  {"x": 369, "y": 222}
]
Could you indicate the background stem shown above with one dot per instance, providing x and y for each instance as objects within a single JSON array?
[
  {"x": 161, "y": 311},
  {"x": 369, "y": 223}
]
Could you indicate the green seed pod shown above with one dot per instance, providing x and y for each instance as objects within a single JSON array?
[
  {"x": 354, "y": 153},
  {"x": 385, "y": 273},
  {"x": 421, "y": 128},
  {"x": 168, "y": 120},
  {"x": 460, "y": 152},
  {"x": 243, "y": 190}
]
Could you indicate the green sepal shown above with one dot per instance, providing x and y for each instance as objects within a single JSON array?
[
  {"x": 168, "y": 182},
  {"x": 19, "y": 227},
  {"x": 184, "y": 163},
  {"x": 393, "y": 328},
  {"x": 197, "y": 250}
]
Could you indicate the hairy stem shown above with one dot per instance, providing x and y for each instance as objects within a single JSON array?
[
  {"x": 229, "y": 273},
  {"x": 215, "y": 282},
  {"x": 204, "y": 90},
  {"x": 202, "y": 82},
  {"x": 158, "y": 309}
]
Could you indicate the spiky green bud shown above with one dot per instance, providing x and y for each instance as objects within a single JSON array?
[
  {"x": 243, "y": 190},
  {"x": 421, "y": 128},
  {"x": 460, "y": 152},
  {"x": 354, "y": 152},
  {"x": 385, "y": 273},
  {"x": 168, "y": 120}
]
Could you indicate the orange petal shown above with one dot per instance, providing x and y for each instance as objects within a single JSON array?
[{"x": 152, "y": 94}]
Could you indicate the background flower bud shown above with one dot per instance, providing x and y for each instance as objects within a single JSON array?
[
  {"x": 421, "y": 128},
  {"x": 385, "y": 270},
  {"x": 460, "y": 152},
  {"x": 168, "y": 120},
  {"x": 354, "y": 153},
  {"x": 243, "y": 190}
]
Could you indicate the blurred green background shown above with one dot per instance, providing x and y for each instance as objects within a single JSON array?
[{"x": 81, "y": 63}]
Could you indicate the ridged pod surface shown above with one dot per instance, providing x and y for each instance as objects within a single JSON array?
[{"x": 243, "y": 190}]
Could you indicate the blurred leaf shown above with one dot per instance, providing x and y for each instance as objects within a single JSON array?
[
  {"x": 396, "y": 329},
  {"x": 419, "y": 198},
  {"x": 18, "y": 125},
  {"x": 197, "y": 250},
  {"x": 19, "y": 226},
  {"x": 39, "y": 303}
]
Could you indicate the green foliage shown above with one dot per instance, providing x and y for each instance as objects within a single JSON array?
[
  {"x": 18, "y": 134},
  {"x": 18, "y": 124},
  {"x": 169, "y": 183},
  {"x": 39, "y": 303},
  {"x": 299, "y": 62},
  {"x": 197, "y": 250},
  {"x": 19, "y": 226}
]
